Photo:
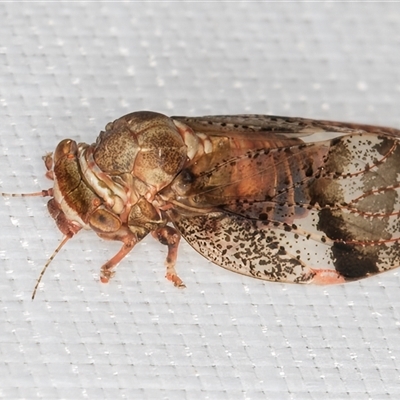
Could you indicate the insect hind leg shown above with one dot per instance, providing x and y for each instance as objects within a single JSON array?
[{"x": 325, "y": 277}]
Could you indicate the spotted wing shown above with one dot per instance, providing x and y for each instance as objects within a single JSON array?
[{"x": 320, "y": 212}]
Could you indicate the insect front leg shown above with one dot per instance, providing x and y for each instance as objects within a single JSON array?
[
  {"x": 144, "y": 218},
  {"x": 170, "y": 237},
  {"x": 129, "y": 240}
]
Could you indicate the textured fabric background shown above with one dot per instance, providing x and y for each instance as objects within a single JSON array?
[{"x": 66, "y": 69}]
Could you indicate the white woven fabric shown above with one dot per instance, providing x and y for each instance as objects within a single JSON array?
[{"x": 69, "y": 68}]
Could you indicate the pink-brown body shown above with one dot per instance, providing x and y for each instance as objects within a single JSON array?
[{"x": 248, "y": 192}]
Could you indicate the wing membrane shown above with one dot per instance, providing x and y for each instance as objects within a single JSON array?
[{"x": 296, "y": 212}]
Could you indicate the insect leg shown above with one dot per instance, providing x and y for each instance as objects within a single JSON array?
[
  {"x": 168, "y": 236},
  {"x": 324, "y": 277},
  {"x": 129, "y": 241}
]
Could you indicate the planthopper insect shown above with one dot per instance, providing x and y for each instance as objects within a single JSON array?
[{"x": 252, "y": 193}]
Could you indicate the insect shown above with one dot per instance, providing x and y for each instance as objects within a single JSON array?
[{"x": 252, "y": 193}]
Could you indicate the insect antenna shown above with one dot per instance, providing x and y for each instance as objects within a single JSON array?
[
  {"x": 59, "y": 247},
  {"x": 42, "y": 193}
]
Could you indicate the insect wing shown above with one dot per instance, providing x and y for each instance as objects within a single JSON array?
[
  {"x": 323, "y": 212},
  {"x": 246, "y": 246},
  {"x": 257, "y": 198},
  {"x": 289, "y": 127}
]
